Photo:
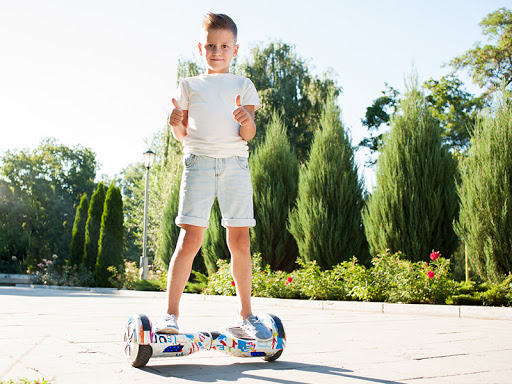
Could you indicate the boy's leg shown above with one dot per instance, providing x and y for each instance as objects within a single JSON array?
[
  {"x": 189, "y": 243},
  {"x": 241, "y": 266}
]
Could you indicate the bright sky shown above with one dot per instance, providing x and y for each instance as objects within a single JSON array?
[{"x": 101, "y": 73}]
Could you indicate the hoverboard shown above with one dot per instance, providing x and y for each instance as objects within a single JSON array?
[{"x": 141, "y": 343}]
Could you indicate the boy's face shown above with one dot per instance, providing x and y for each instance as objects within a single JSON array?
[{"x": 217, "y": 47}]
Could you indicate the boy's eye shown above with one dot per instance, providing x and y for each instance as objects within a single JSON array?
[{"x": 224, "y": 46}]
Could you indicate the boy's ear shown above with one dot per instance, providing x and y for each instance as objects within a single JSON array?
[
  {"x": 200, "y": 47},
  {"x": 235, "y": 51}
]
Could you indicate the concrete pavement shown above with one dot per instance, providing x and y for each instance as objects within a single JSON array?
[{"x": 75, "y": 336}]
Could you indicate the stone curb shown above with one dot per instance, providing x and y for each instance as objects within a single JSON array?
[{"x": 461, "y": 311}]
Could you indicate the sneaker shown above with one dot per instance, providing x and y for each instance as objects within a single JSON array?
[
  {"x": 167, "y": 324},
  {"x": 254, "y": 328}
]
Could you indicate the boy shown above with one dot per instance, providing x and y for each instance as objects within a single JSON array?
[{"x": 213, "y": 117}]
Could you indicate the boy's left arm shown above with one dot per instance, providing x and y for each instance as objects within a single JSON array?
[{"x": 245, "y": 117}]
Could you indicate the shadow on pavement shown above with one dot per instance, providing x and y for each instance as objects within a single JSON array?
[{"x": 233, "y": 372}]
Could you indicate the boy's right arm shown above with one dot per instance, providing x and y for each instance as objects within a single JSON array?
[{"x": 178, "y": 121}]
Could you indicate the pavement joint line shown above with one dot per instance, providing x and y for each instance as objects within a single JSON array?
[{"x": 436, "y": 310}]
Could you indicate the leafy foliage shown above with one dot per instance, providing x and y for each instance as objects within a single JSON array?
[
  {"x": 285, "y": 84},
  {"x": 486, "y": 195},
  {"x": 391, "y": 279},
  {"x": 326, "y": 222},
  {"x": 48, "y": 273},
  {"x": 275, "y": 173},
  {"x": 455, "y": 109},
  {"x": 414, "y": 203},
  {"x": 43, "y": 187},
  {"x": 490, "y": 65}
]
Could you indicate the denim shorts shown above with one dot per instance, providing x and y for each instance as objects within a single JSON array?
[{"x": 205, "y": 178}]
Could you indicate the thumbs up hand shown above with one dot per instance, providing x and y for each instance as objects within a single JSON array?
[
  {"x": 241, "y": 116},
  {"x": 245, "y": 117},
  {"x": 176, "y": 115}
]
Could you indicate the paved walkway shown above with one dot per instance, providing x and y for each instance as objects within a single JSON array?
[{"x": 76, "y": 337}]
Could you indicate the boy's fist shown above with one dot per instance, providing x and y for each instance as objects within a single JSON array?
[
  {"x": 240, "y": 114},
  {"x": 176, "y": 115}
]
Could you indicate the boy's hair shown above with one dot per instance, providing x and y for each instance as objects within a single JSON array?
[{"x": 219, "y": 21}]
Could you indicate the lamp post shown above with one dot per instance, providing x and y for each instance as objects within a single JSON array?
[{"x": 149, "y": 157}]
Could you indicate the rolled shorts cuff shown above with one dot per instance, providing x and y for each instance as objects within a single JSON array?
[
  {"x": 198, "y": 222},
  {"x": 238, "y": 223}
]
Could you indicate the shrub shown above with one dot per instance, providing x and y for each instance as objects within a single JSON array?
[
  {"x": 391, "y": 279},
  {"x": 395, "y": 279},
  {"x": 47, "y": 273}
]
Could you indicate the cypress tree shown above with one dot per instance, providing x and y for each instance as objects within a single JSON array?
[
  {"x": 76, "y": 253},
  {"x": 92, "y": 227},
  {"x": 485, "y": 191},
  {"x": 414, "y": 203},
  {"x": 326, "y": 222},
  {"x": 170, "y": 231},
  {"x": 214, "y": 242},
  {"x": 275, "y": 173},
  {"x": 111, "y": 243}
]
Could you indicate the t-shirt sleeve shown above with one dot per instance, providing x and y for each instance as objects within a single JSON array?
[
  {"x": 182, "y": 95},
  {"x": 250, "y": 95}
]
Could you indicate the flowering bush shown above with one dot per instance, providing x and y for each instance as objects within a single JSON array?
[
  {"x": 396, "y": 280},
  {"x": 130, "y": 277},
  {"x": 47, "y": 273},
  {"x": 391, "y": 279}
]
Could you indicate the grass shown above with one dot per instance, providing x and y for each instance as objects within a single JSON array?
[{"x": 26, "y": 381}]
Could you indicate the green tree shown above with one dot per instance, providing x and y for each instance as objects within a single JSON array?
[
  {"x": 214, "y": 243},
  {"x": 326, "y": 222},
  {"x": 133, "y": 187},
  {"x": 111, "y": 242},
  {"x": 491, "y": 65},
  {"x": 14, "y": 239},
  {"x": 415, "y": 202},
  {"x": 485, "y": 193},
  {"x": 285, "y": 83},
  {"x": 49, "y": 181},
  {"x": 170, "y": 231},
  {"x": 93, "y": 227},
  {"x": 275, "y": 172},
  {"x": 455, "y": 109},
  {"x": 76, "y": 254}
]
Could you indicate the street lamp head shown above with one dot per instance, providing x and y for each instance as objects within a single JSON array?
[{"x": 149, "y": 157}]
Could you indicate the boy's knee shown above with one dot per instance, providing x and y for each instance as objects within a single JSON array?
[
  {"x": 191, "y": 240},
  {"x": 239, "y": 241}
]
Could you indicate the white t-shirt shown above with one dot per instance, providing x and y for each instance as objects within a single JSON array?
[{"x": 210, "y": 101}]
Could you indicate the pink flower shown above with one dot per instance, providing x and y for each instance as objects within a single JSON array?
[
  {"x": 289, "y": 279},
  {"x": 430, "y": 274},
  {"x": 434, "y": 255},
  {"x": 233, "y": 283}
]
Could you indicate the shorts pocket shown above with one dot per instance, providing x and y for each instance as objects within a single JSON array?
[
  {"x": 189, "y": 160},
  {"x": 243, "y": 162}
]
